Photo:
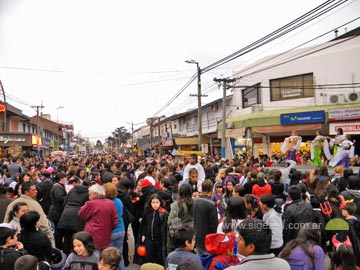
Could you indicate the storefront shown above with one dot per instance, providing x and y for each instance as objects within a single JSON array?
[{"x": 16, "y": 144}]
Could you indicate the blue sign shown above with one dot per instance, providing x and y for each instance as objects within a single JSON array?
[
  {"x": 302, "y": 118},
  {"x": 47, "y": 142}
]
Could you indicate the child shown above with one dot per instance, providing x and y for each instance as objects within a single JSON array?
[
  {"x": 221, "y": 249},
  {"x": 153, "y": 229},
  {"x": 273, "y": 219},
  {"x": 344, "y": 258},
  {"x": 218, "y": 198},
  {"x": 82, "y": 255},
  {"x": 110, "y": 258},
  {"x": 184, "y": 241},
  {"x": 348, "y": 211}
]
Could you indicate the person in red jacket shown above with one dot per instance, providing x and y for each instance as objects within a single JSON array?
[
  {"x": 261, "y": 187},
  {"x": 100, "y": 216}
]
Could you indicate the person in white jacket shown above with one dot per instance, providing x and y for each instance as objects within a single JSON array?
[{"x": 193, "y": 163}]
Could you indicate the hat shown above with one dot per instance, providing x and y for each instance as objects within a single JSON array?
[
  {"x": 219, "y": 243},
  {"x": 146, "y": 183},
  {"x": 151, "y": 266},
  {"x": 50, "y": 170},
  {"x": 337, "y": 242}
]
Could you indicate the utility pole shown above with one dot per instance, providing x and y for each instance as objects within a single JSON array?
[
  {"x": 225, "y": 82},
  {"x": 4, "y": 97},
  {"x": 38, "y": 107}
]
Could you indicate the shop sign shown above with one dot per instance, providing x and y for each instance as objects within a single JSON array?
[
  {"x": 348, "y": 128},
  {"x": 302, "y": 118},
  {"x": 2, "y": 108},
  {"x": 344, "y": 114},
  {"x": 36, "y": 140},
  {"x": 12, "y": 139},
  {"x": 47, "y": 142}
]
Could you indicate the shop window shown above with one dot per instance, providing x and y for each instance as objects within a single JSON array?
[{"x": 300, "y": 86}]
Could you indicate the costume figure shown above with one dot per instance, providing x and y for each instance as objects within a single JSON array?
[
  {"x": 291, "y": 145},
  {"x": 316, "y": 149}
]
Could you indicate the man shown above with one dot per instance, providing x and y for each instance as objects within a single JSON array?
[
  {"x": 353, "y": 191},
  {"x": 109, "y": 172},
  {"x": 26, "y": 262},
  {"x": 14, "y": 167},
  {"x": 205, "y": 216},
  {"x": 296, "y": 213},
  {"x": 4, "y": 202},
  {"x": 254, "y": 239},
  {"x": 28, "y": 196},
  {"x": 44, "y": 188},
  {"x": 193, "y": 163}
]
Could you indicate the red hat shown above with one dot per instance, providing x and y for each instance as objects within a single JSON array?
[
  {"x": 219, "y": 243},
  {"x": 146, "y": 183},
  {"x": 337, "y": 243}
]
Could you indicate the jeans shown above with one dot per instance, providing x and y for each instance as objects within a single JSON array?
[{"x": 117, "y": 240}]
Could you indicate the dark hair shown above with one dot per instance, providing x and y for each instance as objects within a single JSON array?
[
  {"x": 185, "y": 196},
  {"x": 353, "y": 182},
  {"x": 344, "y": 258},
  {"x": 207, "y": 185},
  {"x": 111, "y": 256},
  {"x": 59, "y": 176},
  {"x": 86, "y": 239},
  {"x": 252, "y": 200},
  {"x": 308, "y": 236},
  {"x": 269, "y": 200},
  {"x": 29, "y": 220},
  {"x": 294, "y": 193},
  {"x": 25, "y": 187},
  {"x": 239, "y": 189},
  {"x": 193, "y": 171},
  {"x": 332, "y": 192},
  {"x": 186, "y": 265},
  {"x": 194, "y": 156},
  {"x": 16, "y": 207},
  {"x": 256, "y": 232},
  {"x": 26, "y": 262},
  {"x": 350, "y": 207},
  {"x": 150, "y": 170},
  {"x": 5, "y": 233},
  {"x": 182, "y": 235},
  {"x": 148, "y": 202},
  {"x": 235, "y": 210}
]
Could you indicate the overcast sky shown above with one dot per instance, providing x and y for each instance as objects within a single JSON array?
[{"x": 109, "y": 63}]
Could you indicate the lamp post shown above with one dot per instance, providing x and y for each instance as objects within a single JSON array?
[
  {"x": 57, "y": 113},
  {"x": 199, "y": 101}
]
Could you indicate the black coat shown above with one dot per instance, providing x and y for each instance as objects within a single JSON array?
[
  {"x": 58, "y": 196},
  {"x": 69, "y": 218},
  {"x": 8, "y": 257},
  {"x": 36, "y": 243}
]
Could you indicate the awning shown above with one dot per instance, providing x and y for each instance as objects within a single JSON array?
[
  {"x": 287, "y": 128},
  {"x": 190, "y": 141},
  {"x": 232, "y": 133}
]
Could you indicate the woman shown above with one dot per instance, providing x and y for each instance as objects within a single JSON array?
[
  {"x": 234, "y": 215},
  {"x": 117, "y": 234},
  {"x": 35, "y": 242},
  {"x": 291, "y": 145},
  {"x": 305, "y": 252},
  {"x": 316, "y": 150},
  {"x": 15, "y": 214},
  {"x": 182, "y": 208},
  {"x": 99, "y": 214},
  {"x": 252, "y": 207},
  {"x": 69, "y": 221},
  {"x": 10, "y": 248}
]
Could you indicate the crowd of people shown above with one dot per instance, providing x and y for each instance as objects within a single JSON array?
[{"x": 183, "y": 212}]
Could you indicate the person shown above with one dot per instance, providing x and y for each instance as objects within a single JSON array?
[
  {"x": 316, "y": 149},
  {"x": 83, "y": 255},
  {"x": 26, "y": 262},
  {"x": 348, "y": 211},
  {"x": 4, "y": 202},
  {"x": 272, "y": 218},
  {"x": 15, "y": 214},
  {"x": 335, "y": 143},
  {"x": 100, "y": 216},
  {"x": 182, "y": 208},
  {"x": 28, "y": 195},
  {"x": 205, "y": 216},
  {"x": 253, "y": 209},
  {"x": 254, "y": 244},
  {"x": 57, "y": 196},
  {"x": 193, "y": 163},
  {"x": 297, "y": 212},
  {"x": 187, "y": 266},
  {"x": 118, "y": 234},
  {"x": 10, "y": 248},
  {"x": 353, "y": 191},
  {"x": 109, "y": 259},
  {"x": 35, "y": 241},
  {"x": 70, "y": 222},
  {"x": 220, "y": 247},
  {"x": 218, "y": 198},
  {"x": 305, "y": 252},
  {"x": 261, "y": 187},
  {"x": 234, "y": 215},
  {"x": 291, "y": 145},
  {"x": 153, "y": 229},
  {"x": 344, "y": 258},
  {"x": 184, "y": 241}
]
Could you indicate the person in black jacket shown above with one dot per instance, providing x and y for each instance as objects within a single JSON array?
[
  {"x": 57, "y": 195},
  {"x": 205, "y": 216},
  {"x": 69, "y": 220},
  {"x": 277, "y": 188},
  {"x": 10, "y": 248},
  {"x": 296, "y": 213}
]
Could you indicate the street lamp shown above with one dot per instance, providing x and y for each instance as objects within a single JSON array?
[
  {"x": 57, "y": 113},
  {"x": 199, "y": 101}
]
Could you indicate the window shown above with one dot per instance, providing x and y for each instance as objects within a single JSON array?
[
  {"x": 251, "y": 96},
  {"x": 300, "y": 86}
]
